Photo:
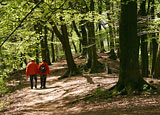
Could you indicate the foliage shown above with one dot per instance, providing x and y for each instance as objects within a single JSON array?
[{"x": 3, "y": 89}]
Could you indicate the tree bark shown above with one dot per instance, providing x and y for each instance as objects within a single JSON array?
[
  {"x": 74, "y": 45},
  {"x": 37, "y": 53},
  {"x": 84, "y": 39},
  {"x": 38, "y": 29},
  {"x": 144, "y": 43},
  {"x": 91, "y": 45},
  {"x": 144, "y": 56},
  {"x": 21, "y": 64},
  {"x": 63, "y": 37},
  {"x": 46, "y": 46},
  {"x": 78, "y": 34},
  {"x": 111, "y": 36},
  {"x": 154, "y": 40},
  {"x": 154, "y": 53},
  {"x": 52, "y": 48},
  {"x": 102, "y": 50},
  {"x": 129, "y": 76},
  {"x": 43, "y": 52},
  {"x": 157, "y": 64},
  {"x": 92, "y": 62}
]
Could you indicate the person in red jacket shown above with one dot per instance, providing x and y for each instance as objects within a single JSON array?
[
  {"x": 43, "y": 71},
  {"x": 32, "y": 71}
]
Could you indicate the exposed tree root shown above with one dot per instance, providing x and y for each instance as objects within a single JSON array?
[
  {"x": 98, "y": 68},
  {"x": 112, "y": 55},
  {"x": 70, "y": 73},
  {"x": 130, "y": 89},
  {"x": 89, "y": 79},
  {"x": 116, "y": 91},
  {"x": 102, "y": 50}
]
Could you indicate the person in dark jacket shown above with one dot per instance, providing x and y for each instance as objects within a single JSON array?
[
  {"x": 43, "y": 71},
  {"x": 32, "y": 71}
]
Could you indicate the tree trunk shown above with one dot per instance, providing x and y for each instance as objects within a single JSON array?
[
  {"x": 111, "y": 36},
  {"x": 43, "y": 52},
  {"x": 129, "y": 76},
  {"x": 46, "y": 46},
  {"x": 74, "y": 45},
  {"x": 102, "y": 50},
  {"x": 144, "y": 56},
  {"x": 154, "y": 53},
  {"x": 21, "y": 64},
  {"x": 72, "y": 69},
  {"x": 93, "y": 63},
  {"x": 144, "y": 43},
  {"x": 38, "y": 29},
  {"x": 78, "y": 34},
  {"x": 157, "y": 64},
  {"x": 91, "y": 42},
  {"x": 37, "y": 53},
  {"x": 84, "y": 39},
  {"x": 52, "y": 48},
  {"x": 91, "y": 45},
  {"x": 154, "y": 40}
]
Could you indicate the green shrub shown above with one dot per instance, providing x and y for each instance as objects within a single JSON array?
[{"x": 3, "y": 89}]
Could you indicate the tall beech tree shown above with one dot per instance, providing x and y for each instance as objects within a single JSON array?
[
  {"x": 78, "y": 34},
  {"x": 143, "y": 38},
  {"x": 37, "y": 28},
  {"x": 52, "y": 47},
  {"x": 129, "y": 76},
  {"x": 157, "y": 64},
  {"x": 154, "y": 38},
  {"x": 46, "y": 45},
  {"x": 111, "y": 31},
  {"x": 81, "y": 32},
  {"x": 64, "y": 39},
  {"x": 84, "y": 38},
  {"x": 92, "y": 62},
  {"x": 102, "y": 50}
]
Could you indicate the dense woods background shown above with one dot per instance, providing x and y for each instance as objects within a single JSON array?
[{"x": 54, "y": 29}]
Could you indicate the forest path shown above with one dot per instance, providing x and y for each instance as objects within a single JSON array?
[{"x": 55, "y": 99}]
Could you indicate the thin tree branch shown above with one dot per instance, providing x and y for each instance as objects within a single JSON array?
[
  {"x": 58, "y": 34},
  {"x": 55, "y": 10},
  {"x": 20, "y": 23}
]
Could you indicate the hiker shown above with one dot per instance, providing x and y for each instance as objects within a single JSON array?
[
  {"x": 32, "y": 71},
  {"x": 43, "y": 71}
]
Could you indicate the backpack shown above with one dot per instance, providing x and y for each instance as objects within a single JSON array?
[{"x": 43, "y": 69}]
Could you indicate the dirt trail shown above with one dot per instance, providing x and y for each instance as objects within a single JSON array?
[
  {"x": 58, "y": 93},
  {"x": 55, "y": 98}
]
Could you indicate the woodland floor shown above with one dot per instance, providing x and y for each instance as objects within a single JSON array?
[{"x": 57, "y": 97}]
